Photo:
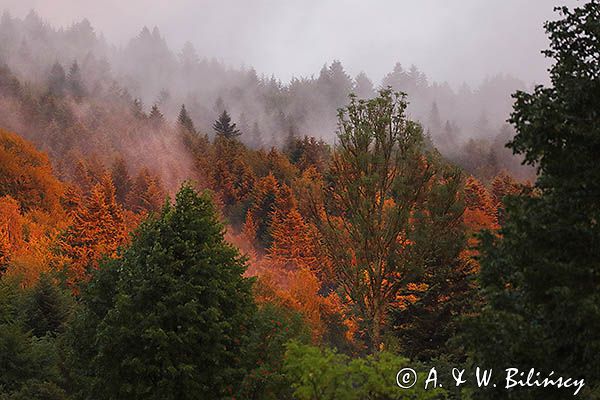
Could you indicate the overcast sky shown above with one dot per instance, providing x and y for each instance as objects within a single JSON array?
[{"x": 450, "y": 40}]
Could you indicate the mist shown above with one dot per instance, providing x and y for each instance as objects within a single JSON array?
[
  {"x": 453, "y": 42},
  {"x": 281, "y": 69}
]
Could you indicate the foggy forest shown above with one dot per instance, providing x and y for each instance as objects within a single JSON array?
[{"x": 174, "y": 225}]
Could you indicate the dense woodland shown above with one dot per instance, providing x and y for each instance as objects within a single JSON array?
[{"x": 172, "y": 228}]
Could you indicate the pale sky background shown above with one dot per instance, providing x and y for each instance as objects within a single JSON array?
[{"x": 449, "y": 40}]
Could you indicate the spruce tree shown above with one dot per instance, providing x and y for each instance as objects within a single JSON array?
[
  {"x": 155, "y": 117},
  {"x": 224, "y": 127},
  {"x": 137, "y": 109},
  {"x": 75, "y": 82},
  {"x": 57, "y": 80},
  {"x": 169, "y": 319},
  {"x": 184, "y": 121}
]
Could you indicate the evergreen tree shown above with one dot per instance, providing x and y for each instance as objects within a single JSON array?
[
  {"x": 97, "y": 230},
  {"x": 137, "y": 108},
  {"x": 155, "y": 117},
  {"x": 29, "y": 366},
  {"x": 363, "y": 86},
  {"x": 46, "y": 308},
  {"x": 184, "y": 121},
  {"x": 540, "y": 275},
  {"x": 172, "y": 315},
  {"x": 256, "y": 137},
  {"x": 224, "y": 127},
  {"x": 57, "y": 80},
  {"x": 75, "y": 82},
  {"x": 147, "y": 193},
  {"x": 435, "y": 122},
  {"x": 295, "y": 242},
  {"x": 121, "y": 179}
]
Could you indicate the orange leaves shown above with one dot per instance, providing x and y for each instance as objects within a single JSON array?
[
  {"x": 26, "y": 175},
  {"x": 295, "y": 242},
  {"x": 299, "y": 291},
  {"x": 25, "y": 241},
  {"x": 480, "y": 210},
  {"x": 98, "y": 228},
  {"x": 11, "y": 229}
]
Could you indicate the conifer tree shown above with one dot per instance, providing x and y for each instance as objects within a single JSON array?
[
  {"x": 97, "y": 230},
  {"x": 137, "y": 108},
  {"x": 184, "y": 121},
  {"x": 224, "y": 127},
  {"x": 256, "y": 140},
  {"x": 75, "y": 81},
  {"x": 363, "y": 86},
  {"x": 155, "y": 117},
  {"x": 147, "y": 193},
  {"x": 57, "y": 80},
  {"x": 435, "y": 122},
  {"x": 47, "y": 308},
  {"x": 294, "y": 241},
  {"x": 121, "y": 180},
  {"x": 169, "y": 320}
]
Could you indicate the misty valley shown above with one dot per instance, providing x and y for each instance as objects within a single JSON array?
[{"x": 173, "y": 226}]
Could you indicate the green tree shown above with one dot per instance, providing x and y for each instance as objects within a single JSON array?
[
  {"x": 57, "y": 80},
  {"x": 378, "y": 180},
  {"x": 169, "y": 319},
  {"x": 327, "y": 375},
  {"x": 540, "y": 276},
  {"x": 273, "y": 326},
  {"x": 46, "y": 308},
  {"x": 185, "y": 122},
  {"x": 75, "y": 81},
  {"x": 224, "y": 127},
  {"x": 29, "y": 366}
]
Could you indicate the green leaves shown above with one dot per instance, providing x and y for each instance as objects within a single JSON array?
[
  {"x": 171, "y": 315},
  {"x": 328, "y": 375},
  {"x": 541, "y": 276}
]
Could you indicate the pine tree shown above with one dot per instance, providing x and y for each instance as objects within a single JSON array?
[
  {"x": 184, "y": 121},
  {"x": 224, "y": 127},
  {"x": 265, "y": 195}
]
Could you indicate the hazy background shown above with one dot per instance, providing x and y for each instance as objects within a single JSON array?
[{"x": 454, "y": 41}]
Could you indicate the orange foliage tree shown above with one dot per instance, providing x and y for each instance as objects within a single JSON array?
[
  {"x": 26, "y": 175},
  {"x": 11, "y": 230},
  {"x": 480, "y": 208},
  {"x": 97, "y": 229}
]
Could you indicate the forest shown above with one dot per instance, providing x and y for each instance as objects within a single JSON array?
[{"x": 175, "y": 228}]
